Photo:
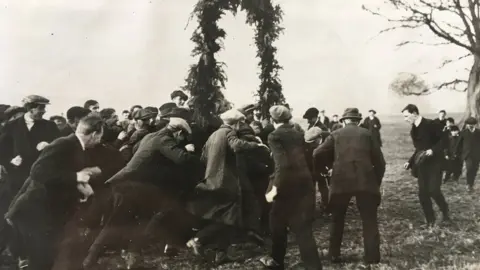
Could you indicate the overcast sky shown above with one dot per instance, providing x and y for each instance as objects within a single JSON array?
[{"x": 125, "y": 52}]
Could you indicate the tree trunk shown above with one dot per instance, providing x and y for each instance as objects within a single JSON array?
[{"x": 473, "y": 91}]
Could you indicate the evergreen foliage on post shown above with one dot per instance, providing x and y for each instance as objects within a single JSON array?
[{"x": 207, "y": 77}]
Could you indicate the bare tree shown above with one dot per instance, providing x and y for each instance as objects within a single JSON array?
[{"x": 453, "y": 22}]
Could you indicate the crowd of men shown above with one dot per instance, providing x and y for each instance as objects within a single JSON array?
[{"x": 71, "y": 187}]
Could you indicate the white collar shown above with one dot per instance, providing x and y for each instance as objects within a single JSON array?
[
  {"x": 27, "y": 118},
  {"x": 81, "y": 142},
  {"x": 418, "y": 121},
  {"x": 277, "y": 125}
]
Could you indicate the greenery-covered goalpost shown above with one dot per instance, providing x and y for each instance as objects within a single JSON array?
[{"x": 207, "y": 77}]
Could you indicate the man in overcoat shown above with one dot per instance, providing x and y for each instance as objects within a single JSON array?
[
  {"x": 469, "y": 147},
  {"x": 426, "y": 162},
  {"x": 218, "y": 199},
  {"x": 292, "y": 194},
  {"x": 57, "y": 181},
  {"x": 373, "y": 124},
  {"x": 358, "y": 170}
]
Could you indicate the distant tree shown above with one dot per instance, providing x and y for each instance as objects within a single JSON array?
[
  {"x": 453, "y": 22},
  {"x": 408, "y": 84}
]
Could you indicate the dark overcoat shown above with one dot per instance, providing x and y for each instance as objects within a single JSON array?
[
  {"x": 374, "y": 126},
  {"x": 219, "y": 196},
  {"x": 358, "y": 163}
]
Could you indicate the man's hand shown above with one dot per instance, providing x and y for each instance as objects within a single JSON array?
[
  {"x": 270, "y": 196},
  {"x": 93, "y": 171},
  {"x": 42, "y": 145},
  {"x": 122, "y": 135},
  {"x": 429, "y": 152},
  {"x": 86, "y": 191},
  {"x": 190, "y": 147},
  {"x": 406, "y": 165},
  {"x": 447, "y": 157},
  {"x": 17, "y": 161},
  {"x": 258, "y": 139},
  {"x": 83, "y": 176}
]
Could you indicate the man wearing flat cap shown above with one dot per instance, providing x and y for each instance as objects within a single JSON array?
[
  {"x": 357, "y": 171},
  {"x": 469, "y": 147},
  {"x": 21, "y": 142},
  {"x": 313, "y": 120},
  {"x": 143, "y": 119},
  {"x": 373, "y": 124},
  {"x": 179, "y": 98},
  {"x": 292, "y": 194},
  {"x": 220, "y": 198}
]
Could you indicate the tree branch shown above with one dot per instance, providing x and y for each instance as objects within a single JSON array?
[
  {"x": 468, "y": 30},
  {"x": 437, "y": 30},
  {"x": 452, "y": 85},
  {"x": 449, "y": 61}
]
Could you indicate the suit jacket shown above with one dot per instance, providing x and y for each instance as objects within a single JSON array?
[
  {"x": 325, "y": 122},
  {"x": 469, "y": 145},
  {"x": 162, "y": 161},
  {"x": 358, "y": 163},
  {"x": 292, "y": 176},
  {"x": 428, "y": 135},
  {"x": 51, "y": 189},
  {"x": 16, "y": 139}
]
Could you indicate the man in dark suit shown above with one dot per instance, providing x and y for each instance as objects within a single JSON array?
[
  {"x": 21, "y": 142},
  {"x": 469, "y": 147},
  {"x": 427, "y": 161},
  {"x": 292, "y": 194},
  {"x": 357, "y": 172},
  {"x": 442, "y": 118},
  {"x": 57, "y": 181},
  {"x": 324, "y": 119}
]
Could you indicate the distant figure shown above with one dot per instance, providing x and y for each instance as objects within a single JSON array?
[
  {"x": 426, "y": 162},
  {"x": 324, "y": 119},
  {"x": 62, "y": 125},
  {"x": 358, "y": 170},
  {"x": 313, "y": 120},
  {"x": 92, "y": 105},
  {"x": 179, "y": 98},
  {"x": 448, "y": 124},
  {"x": 334, "y": 121},
  {"x": 373, "y": 124},
  {"x": 453, "y": 156},
  {"x": 442, "y": 118},
  {"x": 469, "y": 146}
]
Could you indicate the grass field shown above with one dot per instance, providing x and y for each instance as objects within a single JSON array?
[{"x": 404, "y": 245}]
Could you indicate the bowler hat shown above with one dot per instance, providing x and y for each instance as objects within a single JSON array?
[
  {"x": 351, "y": 113},
  {"x": 310, "y": 113},
  {"x": 35, "y": 99},
  {"x": 372, "y": 111},
  {"x": 471, "y": 121},
  {"x": 280, "y": 113}
]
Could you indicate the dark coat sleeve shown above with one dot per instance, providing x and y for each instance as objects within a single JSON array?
[
  {"x": 323, "y": 155},
  {"x": 6, "y": 146},
  {"x": 49, "y": 169},
  {"x": 279, "y": 158},
  {"x": 442, "y": 143},
  {"x": 378, "y": 161},
  {"x": 171, "y": 150},
  {"x": 238, "y": 145}
]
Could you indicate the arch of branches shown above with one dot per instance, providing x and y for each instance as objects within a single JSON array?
[{"x": 206, "y": 78}]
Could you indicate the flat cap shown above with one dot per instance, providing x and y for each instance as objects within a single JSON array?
[
  {"x": 247, "y": 108},
  {"x": 179, "y": 123},
  {"x": 35, "y": 99},
  {"x": 372, "y": 111},
  {"x": 167, "y": 108},
  {"x": 183, "y": 113},
  {"x": 310, "y": 113},
  {"x": 313, "y": 134},
  {"x": 178, "y": 93},
  {"x": 143, "y": 114},
  {"x": 280, "y": 113},
  {"x": 232, "y": 116},
  {"x": 471, "y": 121}
]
